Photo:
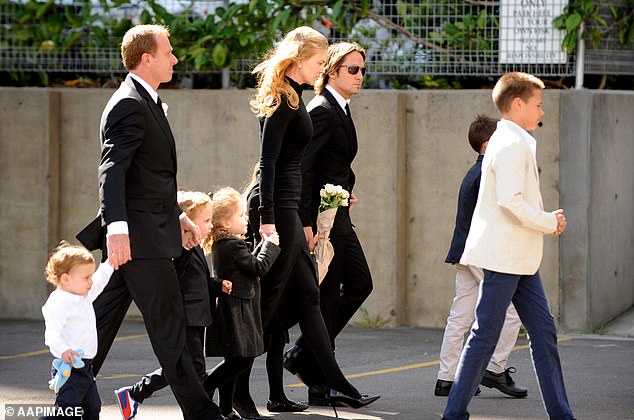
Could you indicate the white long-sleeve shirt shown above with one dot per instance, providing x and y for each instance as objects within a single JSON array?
[{"x": 70, "y": 318}]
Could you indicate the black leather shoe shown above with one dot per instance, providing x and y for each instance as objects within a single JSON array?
[
  {"x": 291, "y": 359},
  {"x": 443, "y": 387},
  {"x": 504, "y": 383},
  {"x": 287, "y": 406},
  {"x": 339, "y": 397},
  {"x": 248, "y": 411}
]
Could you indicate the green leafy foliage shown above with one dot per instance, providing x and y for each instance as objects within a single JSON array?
[{"x": 585, "y": 16}]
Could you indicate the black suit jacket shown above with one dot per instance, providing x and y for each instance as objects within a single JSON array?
[
  {"x": 137, "y": 175},
  {"x": 198, "y": 288},
  {"x": 328, "y": 159},
  {"x": 467, "y": 199}
]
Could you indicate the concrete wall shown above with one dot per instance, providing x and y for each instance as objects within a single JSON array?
[
  {"x": 413, "y": 153},
  {"x": 597, "y": 174}
]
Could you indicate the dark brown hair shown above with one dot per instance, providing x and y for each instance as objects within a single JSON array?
[
  {"x": 514, "y": 85},
  {"x": 480, "y": 131},
  {"x": 139, "y": 40}
]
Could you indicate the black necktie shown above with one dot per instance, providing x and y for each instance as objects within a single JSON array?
[
  {"x": 159, "y": 102},
  {"x": 348, "y": 111}
]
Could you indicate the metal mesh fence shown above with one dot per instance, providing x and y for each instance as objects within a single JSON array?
[{"x": 439, "y": 37}]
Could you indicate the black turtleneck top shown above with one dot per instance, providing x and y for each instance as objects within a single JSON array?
[{"x": 284, "y": 136}]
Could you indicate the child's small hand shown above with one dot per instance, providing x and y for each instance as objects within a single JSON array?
[
  {"x": 273, "y": 237},
  {"x": 226, "y": 287},
  {"x": 69, "y": 356}
]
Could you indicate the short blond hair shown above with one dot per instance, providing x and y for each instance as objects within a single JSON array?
[
  {"x": 64, "y": 258},
  {"x": 336, "y": 53},
  {"x": 139, "y": 40},
  {"x": 514, "y": 85},
  {"x": 191, "y": 202}
]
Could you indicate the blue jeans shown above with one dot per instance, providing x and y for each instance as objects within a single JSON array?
[{"x": 527, "y": 294}]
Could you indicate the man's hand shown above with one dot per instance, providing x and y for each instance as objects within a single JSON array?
[
  {"x": 188, "y": 226},
  {"x": 186, "y": 237},
  {"x": 561, "y": 222},
  {"x": 353, "y": 201},
  {"x": 118, "y": 249},
  {"x": 310, "y": 238}
]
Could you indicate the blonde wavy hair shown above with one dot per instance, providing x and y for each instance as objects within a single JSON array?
[
  {"x": 299, "y": 44},
  {"x": 65, "y": 257},
  {"x": 336, "y": 53},
  {"x": 224, "y": 204},
  {"x": 191, "y": 202}
]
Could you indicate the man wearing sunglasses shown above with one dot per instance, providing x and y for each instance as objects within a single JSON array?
[{"x": 327, "y": 160}]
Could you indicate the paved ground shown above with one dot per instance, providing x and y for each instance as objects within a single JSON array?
[{"x": 400, "y": 364}]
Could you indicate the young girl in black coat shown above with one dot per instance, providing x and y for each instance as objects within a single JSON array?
[{"x": 236, "y": 330}]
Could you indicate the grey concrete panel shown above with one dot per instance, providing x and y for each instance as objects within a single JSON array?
[
  {"x": 29, "y": 152},
  {"x": 611, "y": 242},
  {"x": 575, "y": 196}
]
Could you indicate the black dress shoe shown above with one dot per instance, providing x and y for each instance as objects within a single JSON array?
[
  {"x": 291, "y": 359},
  {"x": 248, "y": 411},
  {"x": 339, "y": 397},
  {"x": 287, "y": 406},
  {"x": 443, "y": 387},
  {"x": 504, "y": 383}
]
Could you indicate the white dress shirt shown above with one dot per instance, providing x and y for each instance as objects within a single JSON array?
[
  {"x": 70, "y": 318},
  {"x": 340, "y": 99}
]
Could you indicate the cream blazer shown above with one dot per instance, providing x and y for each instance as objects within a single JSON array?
[{"x": 509, "y": 220}]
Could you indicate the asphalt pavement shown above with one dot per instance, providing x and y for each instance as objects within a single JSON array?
[{"x": 399, "y": 364}]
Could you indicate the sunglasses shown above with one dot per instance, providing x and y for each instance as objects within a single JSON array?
[{"x": 354, "y": 69}]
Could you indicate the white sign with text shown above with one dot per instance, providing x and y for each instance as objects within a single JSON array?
[{"x": 527, "y": 34}]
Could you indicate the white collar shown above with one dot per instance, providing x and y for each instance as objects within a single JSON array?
[
  {"x": 340, "y": 99},
  {"x": 146, "y": 86}
]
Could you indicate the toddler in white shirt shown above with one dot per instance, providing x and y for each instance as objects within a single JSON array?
[{"x": 70, "y": 322}]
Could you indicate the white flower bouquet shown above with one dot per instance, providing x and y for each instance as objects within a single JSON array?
[{"x": 332, "y": 197}]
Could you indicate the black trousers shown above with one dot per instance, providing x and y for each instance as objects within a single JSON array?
[
  {"x": 155, "y": 381},
  {"x": 290, "y": 295},
  {"x": 346, "y": 286},
  {"x": 80, "y": 390},
  {"x": 153, "y": 284}
]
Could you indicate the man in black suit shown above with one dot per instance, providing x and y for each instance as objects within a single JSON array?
[
  {"x": 328, "y": 159},
  {"x": 139, "y": 218}
]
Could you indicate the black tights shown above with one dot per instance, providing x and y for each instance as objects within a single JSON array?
[
  {"x": 290, "y": 294},
  {"x": 224, "y": 376},
  {"x": 274, "y": 367}
]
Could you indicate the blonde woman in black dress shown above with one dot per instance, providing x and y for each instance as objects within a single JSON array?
[{"x": 289, "y": 290}]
